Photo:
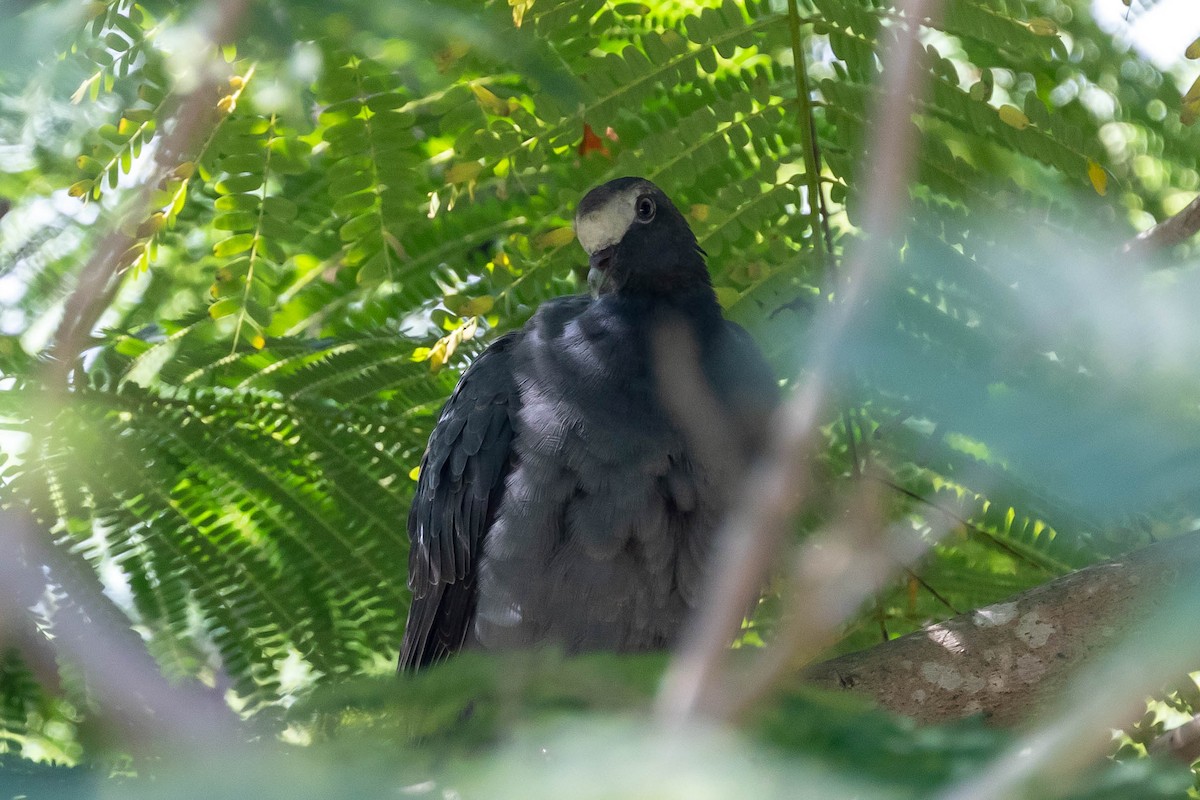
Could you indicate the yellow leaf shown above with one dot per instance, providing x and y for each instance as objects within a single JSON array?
[
  {"x": 414, "y": 473},
  {"x": 1098, "y": 177},
  {"x": 1013, "y": 117},
  {"x": 554, "y": 238},
  {"x": 155, "y": 223},
  {"x": 519, "y": 9},
  {"x": 1041, "y": 26},
  {"x": 236, "y": 82},
  {"x": 1193, "y": 94},
  {"x": 699, "y": 212},
  {"x": 464, "y": 306},
  {"x": 257, "y": 341},
  {"x": 80, "y": 93},
  {"x": 135, "y": 254},
  {"x": 227, "y": 104},
  {"x": 1193, "y": 49},
  {"x": 463, "y": 171},
  {"x": 1191, "y": 104},
  {"x": 438, "y": 355},
  {"x": 79, "y": 188},
  {"x": 490, "y": 102},
  {"x": 178, "y": 200},
  {"x": 469, "y": 329}
]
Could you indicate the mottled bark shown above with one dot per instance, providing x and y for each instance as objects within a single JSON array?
[
  {"x": 1007, "y": 660},
  {"x": 1168, "y": 233}
]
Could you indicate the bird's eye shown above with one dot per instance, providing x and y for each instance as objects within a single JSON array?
[{"x": 645, "y": 208}]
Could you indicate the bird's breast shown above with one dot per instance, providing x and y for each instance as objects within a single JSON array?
[{"x": 601, "y": 536}]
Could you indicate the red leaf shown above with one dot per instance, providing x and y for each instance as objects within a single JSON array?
[{"x": 591, "y": 142}]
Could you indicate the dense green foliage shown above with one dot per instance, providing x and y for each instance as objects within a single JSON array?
[{"x": 376, "y": 190}]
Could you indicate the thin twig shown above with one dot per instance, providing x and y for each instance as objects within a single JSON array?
[
  {"x": 781, "y": 484},
  {"x": 927, "y": 586},
  {"x": 808, "y": 135},
  {"x": 1050, "y": 566}
]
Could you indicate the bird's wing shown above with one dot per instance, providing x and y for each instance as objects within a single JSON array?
[
  {"x": 458, "y": 492},
  {"x": 745, "y": 383}
]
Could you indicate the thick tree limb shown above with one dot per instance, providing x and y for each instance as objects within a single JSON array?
[
  {"x": 1168, "y": 233},
  {"x": 1006, "y": 660}
]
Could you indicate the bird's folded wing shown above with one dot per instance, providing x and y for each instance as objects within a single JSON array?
[{"x": 458, "y": 493}]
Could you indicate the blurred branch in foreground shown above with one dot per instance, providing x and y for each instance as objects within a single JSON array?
[
  {"x": 133, "y": 696},
  {"x": 778, "y": 487}
]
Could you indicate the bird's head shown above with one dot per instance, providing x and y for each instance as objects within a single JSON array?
[{"x": 637, "y": 241}]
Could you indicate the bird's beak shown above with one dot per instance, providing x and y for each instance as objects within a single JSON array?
[{"x": 599, "y": 277}]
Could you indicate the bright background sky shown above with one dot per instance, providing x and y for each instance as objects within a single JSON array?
[{"x": 1160, "y": 33}]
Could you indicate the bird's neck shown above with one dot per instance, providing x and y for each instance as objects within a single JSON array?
[
  {"x": 683, "y": 286},
  {"x": 698, "y": 304},
  {"x": 694, "y": 303}
]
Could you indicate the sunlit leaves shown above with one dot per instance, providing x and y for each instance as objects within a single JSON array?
[
  {"x": 252, "y": 154},
  {"x": 369, "y": 134}
]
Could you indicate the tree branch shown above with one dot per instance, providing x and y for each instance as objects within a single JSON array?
[
  {"x": 1168, "y": 233},
  {"x": 1006, "y": 660},
  {"x": 99, "y": 279}
]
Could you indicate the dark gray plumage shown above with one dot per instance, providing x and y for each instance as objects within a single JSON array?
[{"x": 558, "y": 500}]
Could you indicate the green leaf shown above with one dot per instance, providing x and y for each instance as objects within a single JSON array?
[{"x": 233, "y": 245}]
